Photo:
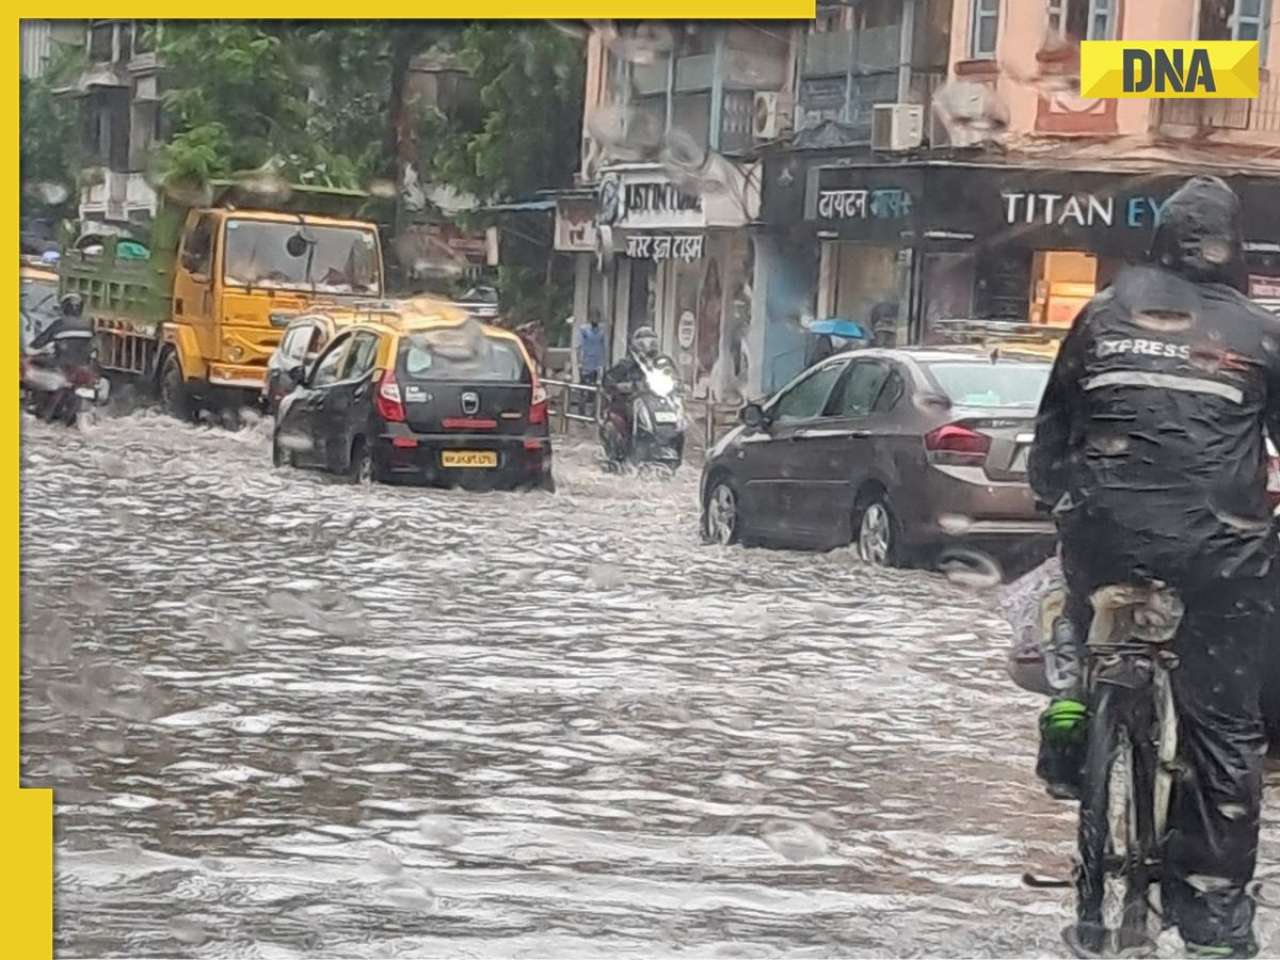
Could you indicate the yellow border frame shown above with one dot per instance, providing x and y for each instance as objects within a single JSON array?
[{"x": 27, "y": 815}]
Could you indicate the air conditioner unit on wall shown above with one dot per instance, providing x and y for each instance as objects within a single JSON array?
[
  {"x": 896, "y": 127},
  {"x": 772, "y": 115}
]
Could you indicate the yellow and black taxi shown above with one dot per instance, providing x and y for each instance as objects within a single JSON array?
[
  {"x": 303, "y": 339},
  {"x": 418, "y": 390},
  {"x": 38, "y": 306}
]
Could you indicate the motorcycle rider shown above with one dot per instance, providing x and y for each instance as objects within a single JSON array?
[
  {"x": 71, "y": 337},
  {"x": 71, "y": 334},
  {"x": 620, "y": 384},
  {"x": 1149, "y": 448}
]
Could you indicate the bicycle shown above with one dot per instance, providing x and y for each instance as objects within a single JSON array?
[{"x": 1131, "y": 760}]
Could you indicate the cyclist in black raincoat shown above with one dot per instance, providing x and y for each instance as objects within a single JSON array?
[{"x": 1150, "y": 449}]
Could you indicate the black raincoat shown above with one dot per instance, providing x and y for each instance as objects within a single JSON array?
[{"x": 1150, "y": 448}]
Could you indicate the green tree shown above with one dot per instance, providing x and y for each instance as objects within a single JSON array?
[
  {"x": 238, "y": 99},
  {"x": 49, "y": 136},
  {"x": 522, "y": 137},
  {"x": 526, "y": 133}
]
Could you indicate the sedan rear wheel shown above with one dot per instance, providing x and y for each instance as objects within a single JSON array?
[
  {"x": 878, "y": 534},
  {"x": 721, "y": 523}
]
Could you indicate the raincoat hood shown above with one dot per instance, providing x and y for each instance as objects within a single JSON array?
[{"x": 1199, "y": 234}]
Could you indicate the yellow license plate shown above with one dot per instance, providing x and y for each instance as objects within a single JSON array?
[{"x": 484, "y": 459}]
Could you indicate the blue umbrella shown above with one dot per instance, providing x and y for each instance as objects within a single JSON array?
[{"x": 839, "y": 328}]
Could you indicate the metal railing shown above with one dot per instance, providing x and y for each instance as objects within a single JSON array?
[
  {"x": 566, "y": 400},
  {"x": 1260, "y": 114},
  {"x": 561, "y": 402}
]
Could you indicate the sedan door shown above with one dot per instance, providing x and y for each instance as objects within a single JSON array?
[
  {"x": 772, "y": 470},
  {"x": 300, "y": 419},
  {"x": 344, "y": 409},
  {"x": 844, "y": 449}
]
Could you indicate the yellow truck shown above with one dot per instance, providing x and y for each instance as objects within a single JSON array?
[{"x": 193, "y": 309}]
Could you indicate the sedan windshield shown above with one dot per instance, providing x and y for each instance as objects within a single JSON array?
[
  {"x": 323, "y": 259},
  {"x": 992, "y": 385}
]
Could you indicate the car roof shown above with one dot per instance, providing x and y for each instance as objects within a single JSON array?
[
  {"x": 943, "y": 354},
  {"x": 407, "y": 315}
]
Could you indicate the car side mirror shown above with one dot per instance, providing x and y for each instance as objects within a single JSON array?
[
  {"x": 298, "y": 374},
  {"x": 753, "y": 416}
]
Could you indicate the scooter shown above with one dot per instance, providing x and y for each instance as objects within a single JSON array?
[
  {"x": 657, "y": 424},
  {"x": 57, "y": 395}
]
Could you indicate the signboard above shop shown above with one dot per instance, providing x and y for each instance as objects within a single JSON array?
[
  {"x": 575, "y": 225},
  {"x": 1111, "y": 214},
  {"x": 644, "y": 197}
]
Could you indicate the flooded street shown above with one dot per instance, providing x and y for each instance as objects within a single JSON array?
[{"x": 286, "y": 717}]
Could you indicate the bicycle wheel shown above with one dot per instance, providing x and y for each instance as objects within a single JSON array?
[{"x": 1117, "y": 834}]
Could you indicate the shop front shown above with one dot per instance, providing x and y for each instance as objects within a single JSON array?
[
  {"x": 909, "y": 246},
  {"x": 679, "y": 261}
]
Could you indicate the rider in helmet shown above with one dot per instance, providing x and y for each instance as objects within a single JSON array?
[
  {"x": 70, "y": 335},
  {"x": 65, "y": 346},
  {"x": 1150, "y": 450},
  {"x": 621, "y": 381}
]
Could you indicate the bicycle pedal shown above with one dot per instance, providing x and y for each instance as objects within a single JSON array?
[{"x": 1044, "y": 883}]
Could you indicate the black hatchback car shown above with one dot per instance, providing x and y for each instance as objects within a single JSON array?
[{"x": 410, "y": 393}]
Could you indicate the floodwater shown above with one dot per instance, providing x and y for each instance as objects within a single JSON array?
[{"x": 286, "y": 717}]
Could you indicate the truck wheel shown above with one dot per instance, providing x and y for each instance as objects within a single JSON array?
[{"x": 173, "y": 391}]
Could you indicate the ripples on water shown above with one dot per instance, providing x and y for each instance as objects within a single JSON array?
[{"x": 287, "y": 718}]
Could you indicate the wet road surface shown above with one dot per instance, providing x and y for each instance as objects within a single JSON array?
[{"x": 286, "y": 717}]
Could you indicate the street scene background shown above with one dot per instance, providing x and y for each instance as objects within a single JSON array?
[
  {"x": 285, "y": 719},
  {"x": 289, "y": 717}
]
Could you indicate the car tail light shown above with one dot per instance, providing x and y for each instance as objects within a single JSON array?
[
  {"x": 538, "y": 402},
  {"x": 387, "y": 400},
  {"x": 957, "y": 445}
]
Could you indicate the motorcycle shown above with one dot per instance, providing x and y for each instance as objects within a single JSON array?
[
  {"x": 657, "y": 424},
  {"x": 57, "y": 395}
]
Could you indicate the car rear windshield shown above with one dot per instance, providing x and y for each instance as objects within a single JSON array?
[
  {"x": 992, "y": 384},
  {"x": 461, "y": 355}
]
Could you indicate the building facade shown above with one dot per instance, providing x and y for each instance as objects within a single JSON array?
[
  {"x": 662, "y": 223},
  {"x": 119, "y": 93},
  {"x": 970, "y": 180},
  {"x": 38, "y": 40}
]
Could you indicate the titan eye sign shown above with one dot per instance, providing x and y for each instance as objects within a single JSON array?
[{"x": 1160, "y": 69}]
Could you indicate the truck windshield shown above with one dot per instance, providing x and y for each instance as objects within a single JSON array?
[{"x": 326, "y": 259}]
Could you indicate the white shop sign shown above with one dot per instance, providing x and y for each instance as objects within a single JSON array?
[{"x": 651, "y": 246}]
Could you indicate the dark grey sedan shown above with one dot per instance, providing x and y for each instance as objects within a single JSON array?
[{"x": 901, "y": 452}]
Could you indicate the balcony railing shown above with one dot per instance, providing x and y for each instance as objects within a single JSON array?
[
  {"x": 1261, "y": 115},
  {"x": 115, "y": 195}
]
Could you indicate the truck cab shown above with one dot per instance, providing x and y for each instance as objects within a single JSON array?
[
  {"x": 240, "y": 277},
  {"x": 193, "y": 306}
]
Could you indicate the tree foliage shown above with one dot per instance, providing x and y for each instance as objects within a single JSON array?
[
  {"x": 524, "y": 136},
  {"x": 49, "y": 135},
  {"x": 330, "y": 104}
]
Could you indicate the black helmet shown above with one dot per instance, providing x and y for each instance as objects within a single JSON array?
[
  {"x": 1199, "y": 233},
  {"x": 71, "y": 305}
]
